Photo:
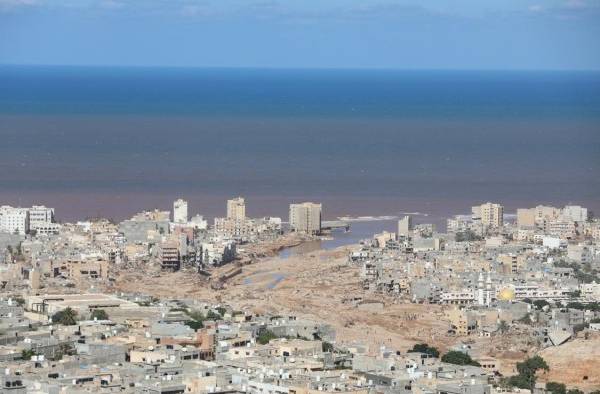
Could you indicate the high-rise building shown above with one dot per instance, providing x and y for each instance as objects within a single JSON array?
[
  {"x": 405, "y": 226},
  {"x": 236, "y": 209},
  {"x": 575, "y": 213},
  {"x": 14, "y": 220},
  {"x": 305, "y": 218},
  {"x": 180, "y": 211},
  {"x": 491, "y": 215}
]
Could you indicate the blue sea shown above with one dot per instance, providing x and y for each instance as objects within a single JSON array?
[{"x": 112, "y": 141}]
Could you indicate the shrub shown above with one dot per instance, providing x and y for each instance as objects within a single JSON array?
[
  {"x": 425, "y": 348},
  {"x": 66, "y": 317},
  {"x": 459, "y": 358},
  {"x": 556, "y": 388},
  {"x": 99, "y": 314}
]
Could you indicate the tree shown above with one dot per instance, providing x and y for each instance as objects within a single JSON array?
[
  {"x": 194, "y": 324},
  {"x": 574, "y": 391},
  {"x": 527, "y": 369},
  {"x": 196, "y": 320},
  {"x": 221, "y": 311},
  {"x": 26, "y": 354},
  {"x": 425, "y": 348},
  {"x": 576, "y": 305},
  {"x": 213, "y": 316},
  {"x": 459, "y": 358},
  {"x": 265, "y": 337},
  {"x": 503, "y": 327},
  {"x": 327, "y": 347},
  {"x": 99, "y": 314},
  {"x": 66, "y": 317},
  {"x": 556, "y": 388},
  {"x": 540, "y": 304}
]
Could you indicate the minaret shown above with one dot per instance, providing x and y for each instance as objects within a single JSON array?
[
  {"x": 480, "y": 295},
  {"x": 488, "y": 290}
]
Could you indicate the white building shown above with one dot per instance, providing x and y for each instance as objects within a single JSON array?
[
  {"x": 180, "y": 211},
  {"x": 575, "y": 213},
  {"x": 305, "y": 218},
  {"x": 14, "y": 220},
  {"x": 198, "y": 222},
  {"x": 41, "y": 218},
  {"x": 236, "y": 208},
  {"x": 405, "y": 226}
]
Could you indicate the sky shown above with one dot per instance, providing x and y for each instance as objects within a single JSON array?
[{"x": 397, "y": 34}]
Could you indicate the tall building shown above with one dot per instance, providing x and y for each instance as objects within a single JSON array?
[
  {"x": 575, "y": 213},
  {"x": 305, "y": 218},
  {"x": 236, "y": 209},
  {"x": 405, "y": 226},
  {"x": 14, "y": 220},
  {"x": 180, "y": 211},
  {"x": 491, "y": 215}
]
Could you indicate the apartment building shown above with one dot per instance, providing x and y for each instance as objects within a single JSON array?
[
  {"x": 490, "y": 214},
  {"x": 180, "y": 211},
  {"x": 305, "y": 218},
  {"x": 236, "y": 208}
]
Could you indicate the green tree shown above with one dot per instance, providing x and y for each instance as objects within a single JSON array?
[
  {"x": 574, "y": 391},
  {"x": 265, "y": 337},
  {"x": 66, "y": 317},
  {"x": 327, "y": 347},
  {"x": 576, "y": 305},
  {"x": 213, "y": 316},
  {"x": 527, "y": 370},
  {"x": 556, "y": 388},
  {"x": 503, "y": 327},
  {"x": 99, "y": 314},
  {"x": 221, "y": 311},
  {"x": 425, "y": 348},
  {"x": 459, "y": 358},
  {"x": 26, "y": 354},
  {"x": 194, "y": 324},
  {"x": 540, "y": 304}
]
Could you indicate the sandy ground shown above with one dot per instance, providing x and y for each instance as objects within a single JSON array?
[
  {"x": 576, "y": 363},
  {"x": 320, "y": 285}
]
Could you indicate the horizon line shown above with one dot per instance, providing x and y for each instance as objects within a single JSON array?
[{"x": 296, "y": 68}]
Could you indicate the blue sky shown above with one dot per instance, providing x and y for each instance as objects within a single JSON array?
[{"x": 404, "y": 34}]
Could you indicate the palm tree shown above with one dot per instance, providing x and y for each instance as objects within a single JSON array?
[{"x": 66, "y": 317}]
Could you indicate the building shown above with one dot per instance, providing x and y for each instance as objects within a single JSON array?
[
  {"x": 525, "y": 218},
  {"x": 405, "y": 226},
  {"x": 169, "y": 255},
  {"x": 236, "y": 209},
  {"x": 305, "y": 218},
  {"x": 575, "y": 213},
  {"x": 40, "y": 217},
  {"x": 491, "y": 215},
  {"x": 180, "y": 211},
  {"x": 14, "y": 220}
]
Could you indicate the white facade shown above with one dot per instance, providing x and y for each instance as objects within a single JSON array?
[
  {"x": 41, "y": 218},
  {"x": 405, "y": 226},
  {"x": 14, "y": 220},
  {"x": 575, "y": 213},
  {"x": 305, "y": 218},
  {"x": 180, "y": 211}
]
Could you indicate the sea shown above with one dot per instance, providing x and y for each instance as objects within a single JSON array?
[{"x": 109, "y": 142}]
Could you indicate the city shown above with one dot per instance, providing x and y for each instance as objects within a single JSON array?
[{"x": 165, "y": 302}]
